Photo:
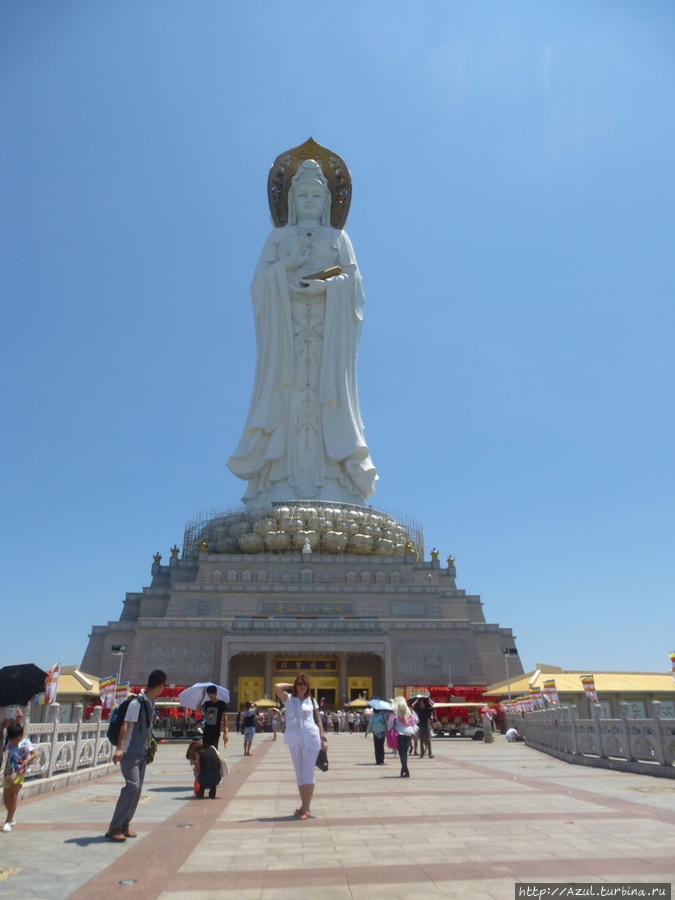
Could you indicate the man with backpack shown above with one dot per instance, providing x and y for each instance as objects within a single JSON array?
[{"x": 132, "y": 742}]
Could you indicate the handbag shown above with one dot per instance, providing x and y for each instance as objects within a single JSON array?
[
  {"x": 152, "y": 748},
  {"x": 224, "y": 766},
  {"x": 392, "y": 738},
  {"x": 322, "y": 756}
]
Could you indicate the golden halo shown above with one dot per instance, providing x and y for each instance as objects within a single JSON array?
[{"x": 335, "y": 172}]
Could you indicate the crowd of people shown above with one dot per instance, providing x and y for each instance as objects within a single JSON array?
[{"x": 405, "y": 730}]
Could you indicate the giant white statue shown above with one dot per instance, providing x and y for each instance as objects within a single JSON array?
[{"x": 303, "y": 437}]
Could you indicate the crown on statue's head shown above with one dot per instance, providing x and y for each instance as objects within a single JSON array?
[
  {"x": 309, "y": 170},
  {"x": 334, "y": 171}
]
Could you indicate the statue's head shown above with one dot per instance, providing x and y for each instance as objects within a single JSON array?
[{"x": 309, "y": 195}]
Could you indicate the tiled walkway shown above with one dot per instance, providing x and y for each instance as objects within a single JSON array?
[{"x": 469, "y": 823}]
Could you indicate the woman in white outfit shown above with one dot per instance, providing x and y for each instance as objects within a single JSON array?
[{"x": 304, "y": 736}]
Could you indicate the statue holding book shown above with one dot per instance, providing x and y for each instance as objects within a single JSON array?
[{"x": 303, "y": 437}]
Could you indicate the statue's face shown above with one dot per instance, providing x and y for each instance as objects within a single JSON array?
[{"x": 309, "y": 198}]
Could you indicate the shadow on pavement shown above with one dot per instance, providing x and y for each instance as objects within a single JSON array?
[
  {"x": 86, "y": 841},
  {"x": 167, "y": 790},
  {"x": 290, "y": 818}
]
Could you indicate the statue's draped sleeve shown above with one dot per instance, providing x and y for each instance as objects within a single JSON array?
[
  {"x": 338, "y": 393},
  {"x": 274, "y": 371}
]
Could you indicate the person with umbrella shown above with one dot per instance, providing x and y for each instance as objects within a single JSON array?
[
  {"x": 18, "y": 684},
  {"x": 424, "y": 709},
  {"x": 215, "y": 718},
  {"x": 377, "y": 726},
  {"x": 213, "y": 709}
]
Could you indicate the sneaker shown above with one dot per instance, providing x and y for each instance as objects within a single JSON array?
[{"x": 6, "y": 827}]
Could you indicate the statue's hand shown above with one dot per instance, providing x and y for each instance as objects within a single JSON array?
[{"x": 311, "y": 287}]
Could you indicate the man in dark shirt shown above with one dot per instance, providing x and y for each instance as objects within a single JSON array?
[{"x": 215, "y": 719}]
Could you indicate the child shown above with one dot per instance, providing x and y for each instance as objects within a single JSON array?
[{"x": 20, "y": 754}]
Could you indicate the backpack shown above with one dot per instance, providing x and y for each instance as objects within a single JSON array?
[{"x": 119, "y": 714}]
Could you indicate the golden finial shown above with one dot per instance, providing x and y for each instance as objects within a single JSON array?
[
  {"x": 409, "y": 547},
  {"x": 451, "y": 561},
  {"x": 203, "y": 545},
  {"x": 434, "y": 554},
  {"x": 174, "y": 551},
  {"x": 157, "y": 558}
]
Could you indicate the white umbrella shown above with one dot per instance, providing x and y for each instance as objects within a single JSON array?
[
  {"x": 191, "y": 697},
  {"x": 378, "y": 704}
]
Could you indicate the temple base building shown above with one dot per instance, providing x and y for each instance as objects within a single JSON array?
[{"x": 338, "y": 591}]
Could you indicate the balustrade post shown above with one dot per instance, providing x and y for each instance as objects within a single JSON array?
[
  {"x": 53, "y": 718},
  {"x": 77, "y": 717},
  {"x": 623, "y": 713},
  {"x": 659, "y": 749},
  {"x": 597, "y": 715},
  {"x": 100, "y": 733},
  {"x": 558, "y": 728},
  {"x": 572, "y": 719}
]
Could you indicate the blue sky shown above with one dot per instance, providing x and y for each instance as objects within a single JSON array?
[{"x": 512, "y": 215}]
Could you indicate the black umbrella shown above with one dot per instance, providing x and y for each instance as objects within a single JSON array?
[{"x": 19, "y": 683}]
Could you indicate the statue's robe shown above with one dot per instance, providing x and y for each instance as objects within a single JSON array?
[{"x": 265, "y": 456}]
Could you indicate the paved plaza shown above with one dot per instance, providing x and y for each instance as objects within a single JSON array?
[{"x": 471, "y": 822}]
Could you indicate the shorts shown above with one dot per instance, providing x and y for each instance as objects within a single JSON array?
[{"x": 9, "y": 781}]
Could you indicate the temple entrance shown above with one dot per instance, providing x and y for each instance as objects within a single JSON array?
[
  {"x": 325, "y": 692},
  {"x": 338, "y": 679},
  {"x": 321, "y": 672},
  {"x": 249, "y": 688},
  {"x": 360, "y": 687}
]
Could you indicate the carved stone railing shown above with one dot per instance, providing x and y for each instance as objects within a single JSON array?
[
  {"x": 72, "y": 747},
  {"x": 635, "y": 745}
]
